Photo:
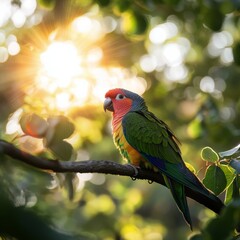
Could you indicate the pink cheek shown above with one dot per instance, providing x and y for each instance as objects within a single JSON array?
[{"x": 122, "y": 106}]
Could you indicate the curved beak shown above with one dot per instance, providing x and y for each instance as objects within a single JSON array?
[{"x": 108, "y": 105}]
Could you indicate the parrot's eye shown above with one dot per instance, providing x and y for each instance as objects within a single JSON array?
[{"x": 120, "y": 97}]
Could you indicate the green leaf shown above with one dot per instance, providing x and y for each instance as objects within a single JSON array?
[
  {"x": 134, "y": 23},
  {"x": 33, "y": 125},
  {"x": 208, "y": 154},
  {"x": 62, "y": 150},
  {"x": 229, "y": 174},
  {"x": 121, "y": 6},
  {"x": 48, "y": 4},
  {"x": 69, "y": 184},
  {"x": 59, "y": 128},
  {"x": 232, "y": 191},
  {"x": 213, "y": 18},
  {"x": 227, "y": 7},
  {"x": 236, "y": 53},
  {"x": 215, "y": 179},
  {"x": 103, "y": 3},
  {"x": 229, "y": 194},
  {"x": 230, "y": 152}
]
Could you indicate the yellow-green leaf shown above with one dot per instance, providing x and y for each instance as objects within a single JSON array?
[
  {"x": 48, "y": 4},
  {"x": 195, "y": 128},
  {"x": 134, "y": 23},
  {"x": 232, "y": 191},
  {"x": 190, "y": 167},
  {"x": 229, "y": 174},
  {"x": 208, "y": 154},
  {"x": 215, "y": 179}
]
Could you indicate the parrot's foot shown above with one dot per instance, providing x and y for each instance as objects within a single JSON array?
[{"x": 135, "y": 168}]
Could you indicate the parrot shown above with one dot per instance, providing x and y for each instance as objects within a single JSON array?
[{"x": 145, "y": 141}]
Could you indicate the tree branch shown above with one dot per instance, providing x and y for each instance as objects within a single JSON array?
[
  {"x": 89, "y": 166},
  {"x": 92, "y": 166}
]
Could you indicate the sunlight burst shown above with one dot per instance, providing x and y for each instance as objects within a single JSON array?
[
  {"x": 71, "y": 74},
  {"x": 61, "y": 61}
]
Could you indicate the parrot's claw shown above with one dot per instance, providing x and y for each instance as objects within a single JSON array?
[{"x": 135, "y": 168}]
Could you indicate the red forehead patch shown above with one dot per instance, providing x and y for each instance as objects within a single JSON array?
[{"x": 114, "y": 92}]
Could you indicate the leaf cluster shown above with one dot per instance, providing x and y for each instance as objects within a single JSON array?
[
  {"x": 222, "y": 175},
  {"x": 223, "y": 170},
  {"x": 54, "y": 130}
]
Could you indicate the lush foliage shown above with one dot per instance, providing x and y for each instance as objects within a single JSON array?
[
  {"x": 222, "y": 175},
  {"x": 58, "y": 58}
]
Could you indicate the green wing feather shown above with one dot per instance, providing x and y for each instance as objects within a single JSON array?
[
  {"x": 153, "y": 136},
  {"x": 157, "y": 144}
]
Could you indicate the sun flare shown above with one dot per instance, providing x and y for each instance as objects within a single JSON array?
[
  {"x": 72, "y": 77},
  {"x": 61, "y": 61}
]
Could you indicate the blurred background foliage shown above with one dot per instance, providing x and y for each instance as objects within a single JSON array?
[{"x": 57, "y": 60}]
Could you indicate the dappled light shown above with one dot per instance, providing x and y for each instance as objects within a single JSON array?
[
  {"x": 207, "y": 84},
  {"x": 168, "y": 51},
  {"x": 162, "y": 32},
  {"x": 14, "y": 15}
]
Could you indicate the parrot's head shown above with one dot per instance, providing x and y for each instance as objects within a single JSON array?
[{"x": 121, "y": 101}]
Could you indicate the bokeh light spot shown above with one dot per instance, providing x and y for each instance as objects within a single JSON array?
[
  {"x": 13, "y": 123},
  {"x": 13, "y": 48},
  {"x": 109, "y": 24},
  {"x": 162, "y": 32},
  {"x": 82, "y": 24},
  {"x": 28, "y": 6},
  {"x": 18, "y": 18},
  {"x": 207, "y": 84},
  {"x": 2, "y": 37},
  {"x": 172, "y": 54},
  {"x": 222, "y": 39},
  {"x": 148, "y": 63},
  {"x": 3, "y": 54},
  {"x": 5, "y": 12},
  {"x": 176, "y": 73},
  {"x": 227, "y": 56}
]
